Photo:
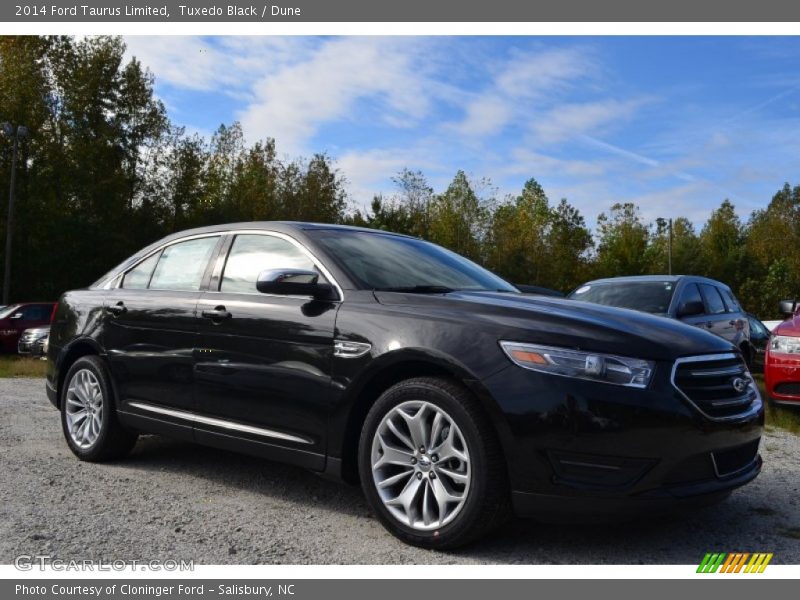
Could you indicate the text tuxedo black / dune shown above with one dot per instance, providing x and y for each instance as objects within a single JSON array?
[{"x": 374, "y": 357}]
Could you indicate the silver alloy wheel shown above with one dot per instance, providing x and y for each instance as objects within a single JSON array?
[
  {"x": 84, "y": 408},
  {"x": 421, "y": 465}
]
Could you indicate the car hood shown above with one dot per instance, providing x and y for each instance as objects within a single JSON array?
[
  {"x": 564, "y": 322},
  {"x": 790, "y": 327}
]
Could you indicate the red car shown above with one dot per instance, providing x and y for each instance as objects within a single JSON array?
[
  {"x": 782, "y": 362},
  {"x": 16, "y": 318}
]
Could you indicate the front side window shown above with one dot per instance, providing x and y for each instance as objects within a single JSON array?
[
  {"x": 35, "y": 312},
  {"x": 714, "y": 303},
  {"x": 690, "y": 295},
  {"x": 251, "y": 254},
  {"x": 181, "y": 266}
]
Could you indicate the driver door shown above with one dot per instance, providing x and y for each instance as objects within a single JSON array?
[{"x": 263, "y": 362}]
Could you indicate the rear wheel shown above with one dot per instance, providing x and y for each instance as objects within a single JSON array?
[
  {"x": 88, "y": 416},
  {"x": 431, "y": 465}
]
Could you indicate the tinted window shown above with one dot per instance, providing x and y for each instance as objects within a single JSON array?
[
  {"x": 139, "y": 277},
  {"x": 181, "y": 266},
  {"x": 36, "y": 312},
  {"x": 252, "y": 254},
  {"x": 379, "y": 261},
  {"x": 689, "y": 294},
  {"x": 714, "y": 303},
  {"x": 757, "y": 329},
  {"x": 730, "y": 301},
  {"x": 646, "y": 296}
]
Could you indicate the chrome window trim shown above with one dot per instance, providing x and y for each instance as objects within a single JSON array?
[
  {"x": 757, "y": 403},
  {"x": 116, "y": 282},
  {"x": 222, "y": 423}
]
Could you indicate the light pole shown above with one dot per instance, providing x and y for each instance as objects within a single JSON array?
[
  {"x": 669, "y": 248},
  {"x": 16, "y": 133}
]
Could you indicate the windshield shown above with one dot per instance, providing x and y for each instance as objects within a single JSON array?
[
  {"x": 8, "y": 311},
  {"x": 647, "y": 296},
  {"x": 390, "y": 262}
]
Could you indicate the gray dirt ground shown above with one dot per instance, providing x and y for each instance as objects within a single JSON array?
[{"x": 172, "y": 500}]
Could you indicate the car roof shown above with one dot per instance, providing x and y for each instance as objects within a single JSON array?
[
  {"x": 656, "y": 278},
  {"x": 280, "y": 226}
]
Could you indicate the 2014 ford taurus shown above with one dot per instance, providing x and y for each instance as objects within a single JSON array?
[{"x": 380, "y": 358}]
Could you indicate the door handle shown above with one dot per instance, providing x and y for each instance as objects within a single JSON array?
[
  {"x": 217, "y": 315},
  {"x": 117, "y": 309}
]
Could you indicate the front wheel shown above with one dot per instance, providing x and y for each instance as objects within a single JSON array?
[
  {"x": 431, "y": 466},
  {"x": 88, "y": 416}
]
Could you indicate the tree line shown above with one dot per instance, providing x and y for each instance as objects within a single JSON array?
[{"x": 104, "y": 172}]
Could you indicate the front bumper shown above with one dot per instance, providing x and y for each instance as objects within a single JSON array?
[
  {"x": 578, "y": 446},
  {"x": 782, "y": 378}
]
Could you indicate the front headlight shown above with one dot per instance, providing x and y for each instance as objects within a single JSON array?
[
  {"x": 594, "y": 366},
  {"x": 783, "y": 344}
]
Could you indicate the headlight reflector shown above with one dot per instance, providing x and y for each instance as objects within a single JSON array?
[
  {"x": 594, "y": 366},
  {"x": 784, "y": 344}
]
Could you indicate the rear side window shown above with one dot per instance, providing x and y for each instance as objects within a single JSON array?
[
  {"x": 714, "y": 303},
  {"x": 139, "y": 277},
  {"x": 181, "y": 266},
  {"x": 252, "y": 254},
  {"x": 730, "y": 301},
  {"x": 36, "y": 312}
]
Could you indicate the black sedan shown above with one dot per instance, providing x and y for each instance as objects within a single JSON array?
[{"x": 386, "y": 360}]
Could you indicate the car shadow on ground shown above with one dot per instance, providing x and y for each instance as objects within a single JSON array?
[{"x": 739, "y": 523}]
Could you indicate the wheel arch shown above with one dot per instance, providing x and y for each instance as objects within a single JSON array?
[
  {"x": 76, "y": 349},
  {"x": 393, "y": 368}
]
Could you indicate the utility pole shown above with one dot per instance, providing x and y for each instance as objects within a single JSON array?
[
  {"x": 669, "y": 248},
  {"x": 17, "y": 133}
]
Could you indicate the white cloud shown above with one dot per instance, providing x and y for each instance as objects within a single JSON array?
[
  {"x": 570, "y": 120},
  {"x": 294, "y": 102},
  {"x": 524, "y": 84}
]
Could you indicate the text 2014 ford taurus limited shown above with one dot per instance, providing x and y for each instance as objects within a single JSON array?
[{"x": 388, "y": 360}]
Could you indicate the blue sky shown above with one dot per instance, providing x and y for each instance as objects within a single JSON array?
[{"x": 674, "y": 124}]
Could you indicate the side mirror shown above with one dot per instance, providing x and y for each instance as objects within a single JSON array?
[
  {"x": 690, "y": 309},
  {"x": 787, "y": 307},
  {"x": 294, "y": 282},
  {"x": 16, "y": 315}
]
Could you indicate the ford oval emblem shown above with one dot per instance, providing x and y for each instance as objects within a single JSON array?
[{"x": 739, "y": 384}]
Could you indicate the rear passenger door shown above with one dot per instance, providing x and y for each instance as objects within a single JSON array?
[{"x": 150, "y": 331}]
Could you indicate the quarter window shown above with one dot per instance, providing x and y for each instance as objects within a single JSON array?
[
  {"x": 252, "y": 254},
  {"x": 139, "y": 277},
  {"x": 181, "y": 266},
  {"x": 714, "y": 303},
  {"x": 731, "y": 301}
]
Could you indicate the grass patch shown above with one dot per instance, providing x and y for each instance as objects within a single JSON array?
[
  {"x": 778, "y": 417},
  {"x": 20, "y": 366}
]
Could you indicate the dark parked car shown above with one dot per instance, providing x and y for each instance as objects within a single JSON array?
[
  {"x": 16, "y": 318},
  {"x": 32, "y": 341},
  {"x": 759, "y": 339},
  {"x": 384, "y": 359},
  {"x": 698, "y": 301},
  {"x": 538, "y": 290}
]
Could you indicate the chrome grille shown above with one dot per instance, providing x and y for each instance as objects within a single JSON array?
[{"x": 718, "y": 385}]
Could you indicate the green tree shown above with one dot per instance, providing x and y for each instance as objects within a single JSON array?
[
  {"x": 622, "y": 242},
  {"x": 458, "y": 218}
]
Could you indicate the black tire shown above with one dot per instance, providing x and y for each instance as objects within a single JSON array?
[
  {"x": 487, "y": 505},
  {"x": 113, "y": 441}
]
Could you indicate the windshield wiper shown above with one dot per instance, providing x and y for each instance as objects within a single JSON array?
[{"x": 418, "y": 289}]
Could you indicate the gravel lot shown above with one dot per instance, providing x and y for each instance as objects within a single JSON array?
[{"x": 172, "y": 500}]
